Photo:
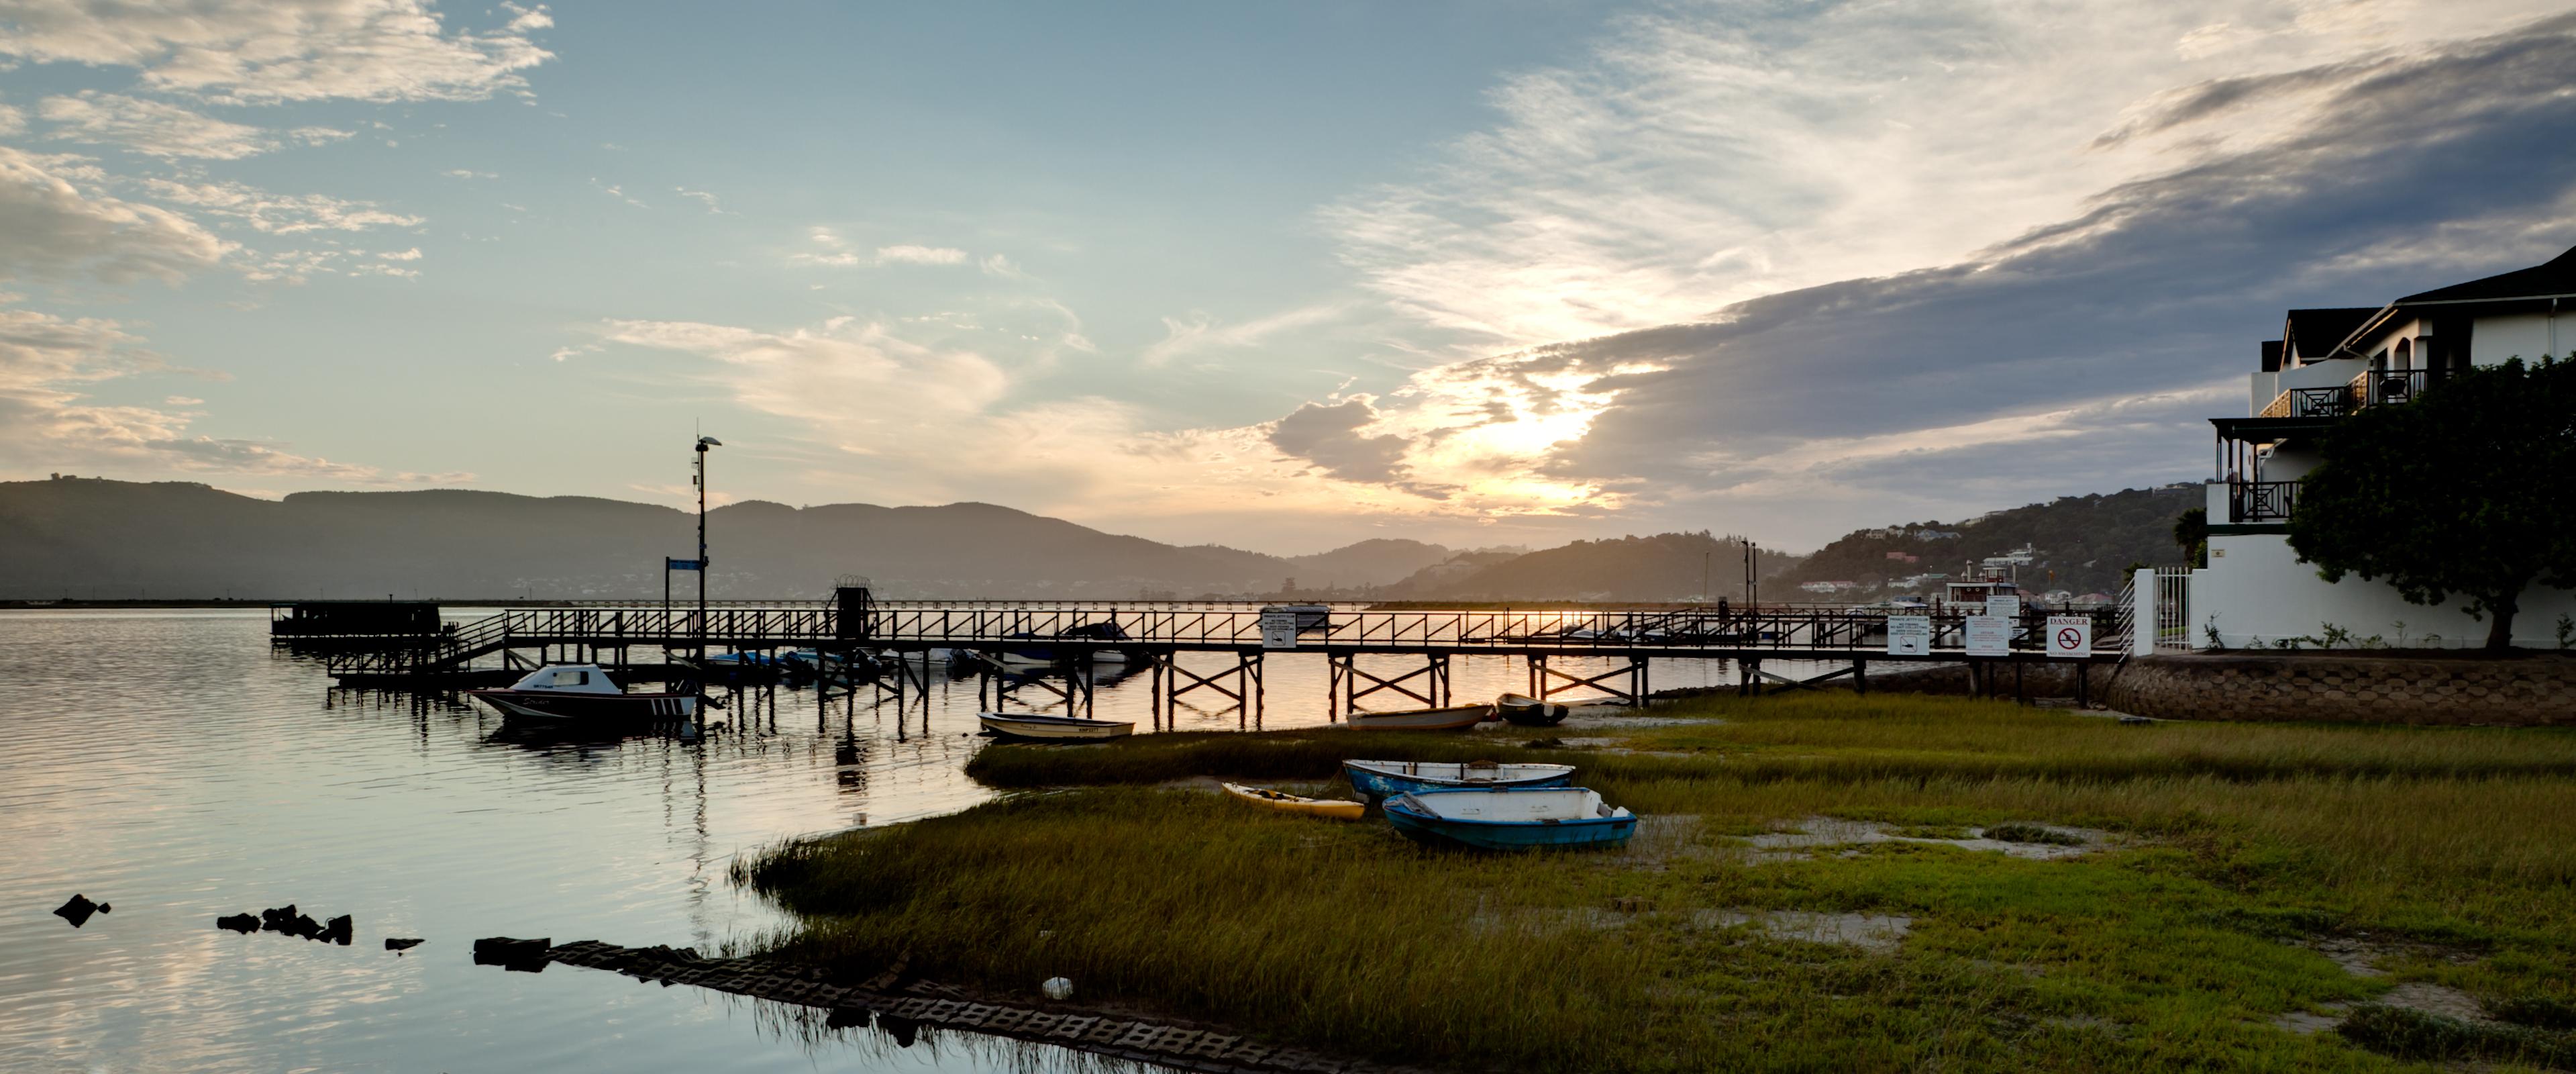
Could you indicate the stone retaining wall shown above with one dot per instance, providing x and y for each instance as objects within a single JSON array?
[{"x": 2350, "y": 687}]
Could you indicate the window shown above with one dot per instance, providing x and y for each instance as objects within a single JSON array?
[{"x": 2405, "y": 355}]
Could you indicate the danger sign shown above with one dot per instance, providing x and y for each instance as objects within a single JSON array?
[{"x": 2070, "y": 636}]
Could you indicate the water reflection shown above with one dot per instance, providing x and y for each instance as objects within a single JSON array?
[{"x": 175, "y": 766}]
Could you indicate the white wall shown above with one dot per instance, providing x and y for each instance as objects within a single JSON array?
[
  {"x": 2258, "y": 592},
  {"x": 2526, "y": 334}
]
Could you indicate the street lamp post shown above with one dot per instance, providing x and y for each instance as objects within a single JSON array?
[{"x": 704, "y": 442}]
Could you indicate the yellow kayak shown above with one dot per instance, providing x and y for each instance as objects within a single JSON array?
[{"x": 1313, "y": 807}]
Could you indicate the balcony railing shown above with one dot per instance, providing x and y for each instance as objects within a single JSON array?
[
  {"x": 2371, "y": 388},
  {"x": 2261, "y": 501}
]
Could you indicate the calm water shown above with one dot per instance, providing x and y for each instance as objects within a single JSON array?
[{"x": 172, "y": 765}]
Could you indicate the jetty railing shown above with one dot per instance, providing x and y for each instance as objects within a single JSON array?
[{"x": 1784, "y": 632}]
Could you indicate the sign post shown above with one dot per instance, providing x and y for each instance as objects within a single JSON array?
[
  {"x": 2070, "y": 637},
  {"x": 1909, "y": 635}
]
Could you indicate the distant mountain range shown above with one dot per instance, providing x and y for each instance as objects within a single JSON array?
[
  {"x": 91, "y": 538},
  {"x": 88, "y": 537}
]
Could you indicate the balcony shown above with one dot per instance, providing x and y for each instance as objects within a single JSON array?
[
  {"x": 2258, "y": 501},
  {"x": 2371, "y": 388}
]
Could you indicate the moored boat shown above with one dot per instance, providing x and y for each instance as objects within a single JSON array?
[
  {"x": 1290, "y": 803},
  {"x": 583, "y": 692},
  {"x": 1054, "y": 728},
  {"x": 1530, "y": 711},
  {"x": 1457, "y": 718},
  {"x": 1522, "y": 818},
  {"x": 1386, "y": 779}
]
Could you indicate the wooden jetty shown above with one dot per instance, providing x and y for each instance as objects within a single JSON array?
[{"x": 1156, "y": 633}]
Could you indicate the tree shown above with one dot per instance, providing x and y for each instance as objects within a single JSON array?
[
  {"x": 2191, "y": 534},
  {"x": 2469, "y": 490}
]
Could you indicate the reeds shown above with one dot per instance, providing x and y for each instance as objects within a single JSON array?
[{"x": 2173, "y": 947}]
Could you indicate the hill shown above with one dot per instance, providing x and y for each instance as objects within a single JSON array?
[
  {"x": 90, "y": 537},
  {"x": 2081, "y": 544},
  {"x": 1664, "y": 567}
]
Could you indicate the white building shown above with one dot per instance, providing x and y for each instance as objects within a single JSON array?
[{"x": 2328, "y": 364}]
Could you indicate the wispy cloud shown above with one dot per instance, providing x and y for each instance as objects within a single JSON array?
[
  {"x": 920, "y": 255},
  {"x": 1199, "y": 333},
  {"x": 258, "y": 52},
  {"x": 702, "y": 197}
]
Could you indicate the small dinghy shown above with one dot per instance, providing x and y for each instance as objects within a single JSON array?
[
  {"x": 1055, "y": 728},
  {"x": 1290, "y": 803},
  {"x": 567, "y": 692},
  {"x": 1449, "y": 719},
  {"x": 1530, "y": 711},
  {"x": 1386, "y": 779},
  {"x": 1524, "y": 818}
]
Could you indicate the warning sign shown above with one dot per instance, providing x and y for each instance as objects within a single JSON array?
[
  {"x": 2070, "y": 636},
  {"x": 1278, "y": 628},
  {"x": 1989, "y": 635},
  {"x": 1909, "y": 635},
  {"x": 2007, "y": 605}
]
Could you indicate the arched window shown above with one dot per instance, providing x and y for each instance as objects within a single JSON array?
[{"x": 2405, "y": 354}]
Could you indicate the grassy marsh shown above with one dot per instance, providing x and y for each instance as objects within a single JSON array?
[{"x": 2237, "y": 848}]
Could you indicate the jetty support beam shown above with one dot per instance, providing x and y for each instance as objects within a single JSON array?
[
  {"x": 1545, "y": 681},
  {"x": 1342, "y": 689}
]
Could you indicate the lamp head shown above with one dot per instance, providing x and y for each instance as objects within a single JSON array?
[{"x": 705, "y": 442}]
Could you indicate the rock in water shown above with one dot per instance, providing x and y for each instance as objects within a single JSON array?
[
  {"x": 1058, "y": 988},
  {"x": 244, "y": 923},
  {"x": 278, "y": 918},
  {"x": 78, "y": 910},
  {"x": 337, "y": 930},
  {"x": 524, "y": 956},
  {"x": 398, "y": 944},
  {"x": 304, "y": 926}
]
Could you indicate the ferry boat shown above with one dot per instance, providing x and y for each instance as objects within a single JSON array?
[{"x": 583, "y": 692}]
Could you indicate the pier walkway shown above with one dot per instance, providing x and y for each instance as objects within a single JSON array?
[{"x": 1079, "y": 635}]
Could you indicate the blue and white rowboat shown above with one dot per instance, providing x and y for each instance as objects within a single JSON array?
[
  {"x": 1512, "y": 819},
  {"x": 1386, "y": 779}
]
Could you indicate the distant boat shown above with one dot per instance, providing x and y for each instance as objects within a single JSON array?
[
  {"x": 1043, "y": 654},
  {"x": 1511, "y": 819},
  {"x": 1449, "y": 719},
  {"x": 1386, "y": 779},
  {"x": 1530, "y": 711},
  {"x": 1055, "y": 728},
  {"x": 565, "y": 692},
  {"x": 1286, "y": 802}
]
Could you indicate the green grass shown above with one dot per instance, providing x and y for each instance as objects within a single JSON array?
[{"x": 2172, "y": 948}]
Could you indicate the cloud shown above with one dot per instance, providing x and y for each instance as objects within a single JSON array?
[
  {"x": 278, "y": 214},
  {"x": 920, "y": 255},
  {"x": 709, "y": 200},
  {"x": 619, "y": 193},
  {"x": 998, "y": 265},
  {"x": 152, "y": 128},
  {"x": 45, "y": 423},
  {"x": 1200, "y": 333},
  {"x": 52, "y": 228},
  {"x": 1330, "y": 438},
  {"x": 469, "y": 173},
  {"x": 1702, "y": 155},
  {"x": 270, "y": 51}
]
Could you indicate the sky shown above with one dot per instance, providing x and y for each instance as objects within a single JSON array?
[{"x": 1280, "y": 277}]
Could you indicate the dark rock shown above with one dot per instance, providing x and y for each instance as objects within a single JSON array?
[
  {"x": 338, "y": 930},
  {"x": 399, "y": 944},
  {"x": 278, "y": 918},
  {"x": 846, "y": 1018},
  {"x": 304, "y": 926},
  {"x": 243, "y": 923},
  {"x": 904, "y": 1030},
  {"x": 524, "y": 956},
  {"x": 78, "y": 910},
  {"x": 103, "y": 908}
]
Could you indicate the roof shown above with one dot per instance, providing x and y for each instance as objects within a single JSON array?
[
  {"x": 2271, "y": 356},
  {"x": 2556, "y": 277},
  {"x": 2317, "y": 331}
]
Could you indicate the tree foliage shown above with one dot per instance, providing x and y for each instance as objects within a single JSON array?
[{"x": 2469, "y": 491}]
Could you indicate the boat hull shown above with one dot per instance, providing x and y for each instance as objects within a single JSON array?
[
  {"x": 1054, "y": 728},
  {"x": 1529, "y": 711},
  {"x": 1449, "y": 719},
  {"x": 1416, "y": 819},
  {"x": 569, "y": 707},
  {"x": 1290, "y": 803},
  {"x": 1380, "y": 780}
]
